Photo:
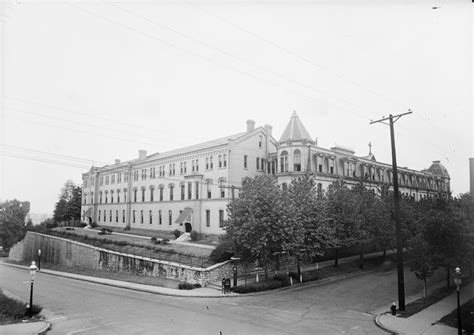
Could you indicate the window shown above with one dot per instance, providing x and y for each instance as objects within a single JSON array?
[
  {"x": 141, "y": 216},
  {"x": 182, "y": 191},
  {"x": 208, "y": 218},
  {"x": 222, "y": 189},
  {"x": 106, "y": 196},
  {"x": 152, "y": 172},
  {"x": 209, "y": 190},
  {"x": 135, "y": 175},
  {"x": 118, "y": 195},
  {"x": 207, "y": 163},
  {"x": 161, "y": 193},
  {"x": 125, "y": 195},
  {"x": 211, "y": 164},
  {"x": 170, "y": 217},
  {"x": 190, "y": 194},
  {"x": 101, "y": 180},
  {"x": 143, "y": 174},
  {"x": 181, "y": 167},
  {"x": 112, "y": 180},
  {"x": 220, "y": 160},
  {"x": 320, "y": 167},
  {"x": 85, "y": 183},
  {"x": 260, "y": 141},
  {"x": 119, "y": 178},
  {"x": 197, "y": 165},
  {"x": 160, "y": 218},
  {"x": 111, "y": 197},
  {"x": 225, "y": 160},
  {"x": 133, "y": 218},
  {"x": 192, "y": 162},
  {"x": 331, "y": 166},
  {"x": 184, "y": 167},
  {"x": 106, "y": 180},
  {"x": 197, "y": 190},
  {"x": 171, "y": 192},
  {"x": 143, "y": 194},
  {"x": 245, "y": 161},
  {"x": 125, "y": 177},
  {"x": 123, "y": 216},
  {"x": 99, "y": 214},
  {"x": 92, "y": 197},
  {"x": 284, "y": 161},
  {"x": 221, "y": 218},
  {"x": 152, "y": 194},
  {"x": 151, "y": 216},
  {"x": 135, "y": 195},
  {"x": 116, "y": 216},
  {"x": 258, "y": 163},
  {"x": 297, "y": 160},
  {"x": 100, "y": 197},
  {"x": 105, "y": 215}
]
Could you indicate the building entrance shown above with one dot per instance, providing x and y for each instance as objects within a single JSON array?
[{"x": 187, "y": 227}]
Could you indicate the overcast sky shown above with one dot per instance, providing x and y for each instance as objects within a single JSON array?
[{"x": 88, "y": 82}]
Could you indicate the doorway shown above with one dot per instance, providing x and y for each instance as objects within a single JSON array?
[{"x": 187, "y": 227}]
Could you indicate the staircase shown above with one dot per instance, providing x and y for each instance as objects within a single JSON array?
[{"x": 184, "y": 237}]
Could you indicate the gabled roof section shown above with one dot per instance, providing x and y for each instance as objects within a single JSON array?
[
  {"x": 295, "y": 131},
  {"x": 438, "y": 169}
]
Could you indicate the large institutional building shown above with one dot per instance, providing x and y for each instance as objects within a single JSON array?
[{"x": 189, "y": 188}]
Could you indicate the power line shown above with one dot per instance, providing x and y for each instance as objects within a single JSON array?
[{"x": 39, "y": 159}]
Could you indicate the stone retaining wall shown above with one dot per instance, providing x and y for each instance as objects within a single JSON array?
[{"x": 61, "y": 251}]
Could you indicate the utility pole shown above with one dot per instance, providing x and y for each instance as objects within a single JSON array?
[{"x": 396, "y": 196}]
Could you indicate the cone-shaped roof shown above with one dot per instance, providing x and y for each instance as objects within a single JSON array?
[{"x": 295, "y": 130}]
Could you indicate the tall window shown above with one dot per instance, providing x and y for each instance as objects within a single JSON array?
[
  {"x": 207, "y": 163},
  {"x": 141, "y": 216},
  {"x": 170, "y": 217},
  {"x": 181, "y": 167},
  {"x": 106, "y": 180},
  {"x": 161, "y": 193},
  {"x": 112, "y": 181},
  {"x": 184, "y": 167},
  {"x": 182, "y": 191},
  {"x": 160, "y": 218},
  {"x": 245, "y": 161},
  {"x": 220, "y": 160},
  {"x": 258, "y": 163},
  {"x": 125, "y": 195},
  {"x": 197, "y": 190},
  {"x": 211, "y": 163},
  {"x": 92, "y": 197},
  {"x": 118, "y": 195},
  {"x": 152, "y": 194},
  {"x": 208, "y": 218},
  {"x": 116, "y": 216},
  {"x": 284, "y": 161},
  {"x": 209, "y": 190},
  {"x": 99, "y": 214},
  {"x": 101, "y": 180},
  {"x": 105, "y": 215},
  {"x": 111, "y": 197},
  {"x": 197, "y": 165},
  {"x": 143, "y": 174},
  {"x": 119, "y": 178},
  {"x": 143, "y": 194},
  {"x": 100, "y": 197},
  {"x": 135, "y": 195},
  {"x": 171, "y": 192},
  {"x": 123, "y": 216},
  {"x": 190, "y": 194},
  {"x": 221, "y": 218},
  {"x": 297, "y": 160},
  {"x": 221, "y": 184},
  {"x": 192, "y": 163},
  {"x": 151, "y": 216},
  {"x": 125, "y": 177},
  {"x": 225, "y": 160},
  {"x": 133, "y": 217},
  {"x": 106, "y": 196},
  {"x": 260, "y": 141}
]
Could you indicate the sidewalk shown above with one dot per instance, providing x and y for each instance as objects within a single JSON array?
[
  {"x": 423, "y": 322},
  {"x": 35, "y": 327}
]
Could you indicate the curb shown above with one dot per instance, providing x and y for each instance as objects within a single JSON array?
[
  {"x": 383, "y": 327},
  {"x": 45, "y": 329}
]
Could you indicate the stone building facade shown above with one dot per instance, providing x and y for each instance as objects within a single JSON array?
[{"x": 189, "y": 188}]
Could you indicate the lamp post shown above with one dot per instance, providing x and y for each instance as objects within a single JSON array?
[
  {"x": 458, "y": 281},
  {"x": 234, "y": 268},
  {"x": 39, "y": 259},
  {"x": 33, "y": 269}
]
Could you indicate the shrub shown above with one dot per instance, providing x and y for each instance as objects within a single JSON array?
[
  {"x": 194, "y": 235},
  {"x": 307, "y": 275},
  {"x": 266, "y": 285},
  {"x": 121, "y": 243},
  {"x": 14, "y": 309},
  {"x": 126, "y": 228},
  {"x": 93, "y": 224},
  {"x": 153, "y": 239},
  {"x": 165, "y": 241},
  {"x": 223, "y": 251},
  {"x": 197, "y": 285},
  {"x": 177, "y": 233},
  {"x": 186, "y": 286},
  {"x": 283, "y": 278}
]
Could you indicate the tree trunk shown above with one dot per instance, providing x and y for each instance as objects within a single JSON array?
[
  {"x": 447, "y": 277},
  {"x": 336, "y": 259},
  {"x": 384, "y": 254},
  {"x": 361, "y": 259},
  {"x": 424, "y": 288}
]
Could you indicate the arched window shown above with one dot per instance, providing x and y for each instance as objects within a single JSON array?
[
  {"x": 284, "y": 161},
  {"x": 183, "y": 192},
  {"x": 171, "y": 186},
  {"x": 297, "y": 160}
]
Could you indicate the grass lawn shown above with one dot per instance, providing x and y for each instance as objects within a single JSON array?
[
  {"x": 13, "y": 311},
  {"x": 467, "y": 317}
]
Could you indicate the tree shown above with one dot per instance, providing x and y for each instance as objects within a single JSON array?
[
  {"x": 343, "y": 216},
  {"x": 69, "y": 204},
  {"x": 260, "y": 222},
  {"x": 421, "y": 259},
  {"x": 12, "y": 222}
]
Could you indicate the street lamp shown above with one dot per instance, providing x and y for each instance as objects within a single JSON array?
[
  {"x": 234, "y": 261},
  {"x": 458, "y": 281},
  {"x": 39, "y": 259},
  {"x": 33, "y": 269}
]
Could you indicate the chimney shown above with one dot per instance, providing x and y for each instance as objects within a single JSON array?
[
  {"x": 250, "y": 125},
  {"x": 141, "y": 154},
  {"x": 268, "y": 129},
  {"x": 117, "y": 161}
]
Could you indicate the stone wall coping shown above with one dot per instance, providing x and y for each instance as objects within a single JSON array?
[{"x": 178, "y": 265}]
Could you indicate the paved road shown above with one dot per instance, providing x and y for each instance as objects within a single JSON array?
[{"x": 77, "y": 307}]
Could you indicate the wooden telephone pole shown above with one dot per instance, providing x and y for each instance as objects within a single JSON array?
[{"x": 396, "y": 196}]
